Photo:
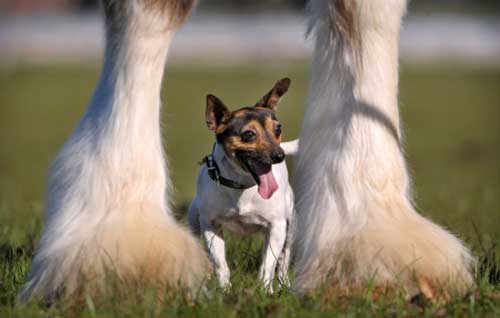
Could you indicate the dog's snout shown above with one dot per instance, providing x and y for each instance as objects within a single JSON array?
[{"x": 278, "y": 156}]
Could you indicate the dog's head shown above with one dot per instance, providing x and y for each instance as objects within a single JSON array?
[{"x": 251, "y": 136}]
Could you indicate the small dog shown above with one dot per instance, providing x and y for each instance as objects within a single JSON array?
[{"x": 244, "y": 185}]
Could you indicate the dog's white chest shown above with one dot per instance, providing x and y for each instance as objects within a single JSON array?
[
  {"x": 244, "y": 219},
  {"x": 244, "y": 212}
]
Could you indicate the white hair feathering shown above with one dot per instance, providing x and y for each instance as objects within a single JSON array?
[
  {"x": 107, "y": 202},
  {"x": 356, "y": 223}
]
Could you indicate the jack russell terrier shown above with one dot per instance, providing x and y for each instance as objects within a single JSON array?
[{"x": 243, "y": 185}]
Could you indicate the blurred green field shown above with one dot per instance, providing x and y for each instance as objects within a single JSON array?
[{"x": 451, "y": 124}]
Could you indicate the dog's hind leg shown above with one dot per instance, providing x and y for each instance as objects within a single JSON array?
[
  {"x": 216, "y": 247},
  {"x": 194, "y": 218},
  {"x": 284, "y": 259}
]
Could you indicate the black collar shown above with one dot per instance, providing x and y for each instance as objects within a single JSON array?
[{"x": 214, "y": 174}]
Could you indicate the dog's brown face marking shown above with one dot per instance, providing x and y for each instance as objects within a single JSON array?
[
  {"x": 251, "y": 136},
  {"x": 251, "y": 128}
]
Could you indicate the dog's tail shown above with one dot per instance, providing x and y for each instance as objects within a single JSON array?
[{"x": 290, "y": 147}]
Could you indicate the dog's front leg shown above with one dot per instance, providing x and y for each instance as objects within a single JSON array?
[
  {"x": 275, "y": 241},
  {"x": 216, "y": 247}
]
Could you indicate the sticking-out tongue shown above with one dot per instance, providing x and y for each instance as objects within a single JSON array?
[{"x": 267, "y": 185}]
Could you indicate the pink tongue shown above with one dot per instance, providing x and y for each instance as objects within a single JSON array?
[{"x": 267, "y": 185}]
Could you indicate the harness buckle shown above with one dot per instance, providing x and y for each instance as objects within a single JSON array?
[{"x": 212, "y": 168}]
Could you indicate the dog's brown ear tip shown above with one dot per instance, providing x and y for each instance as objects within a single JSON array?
[
  {"x": 283, "y": 84},
  {"x": 285, "y": 81},
  {"x": 212, "y": 100}
]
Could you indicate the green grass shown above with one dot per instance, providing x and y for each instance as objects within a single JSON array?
[{"x": 452, "y": 134}]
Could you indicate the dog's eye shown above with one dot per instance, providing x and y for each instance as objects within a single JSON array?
[
  {"x": 248, "y": 136},
  {"x": 277, "y": 130}
]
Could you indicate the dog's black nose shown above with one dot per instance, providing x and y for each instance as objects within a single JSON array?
[{"x": 278, "y": 156}]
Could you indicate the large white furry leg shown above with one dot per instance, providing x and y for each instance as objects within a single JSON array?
[
  {"x": 356, "y": 222},
  {"x": 107, "y": 202}
]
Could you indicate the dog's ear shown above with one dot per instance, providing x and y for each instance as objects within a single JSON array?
[
  {"x": 216, "y": 112},
  {"x": 271, "y": 99}
]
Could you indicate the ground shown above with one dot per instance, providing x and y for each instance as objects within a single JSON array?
[{"x": 450, "y": 114}]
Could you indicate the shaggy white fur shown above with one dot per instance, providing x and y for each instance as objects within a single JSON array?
[
  {"x": 356, "y": 221},
  {"x": 107, "y": 201}
]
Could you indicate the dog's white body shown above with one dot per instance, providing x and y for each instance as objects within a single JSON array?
[{"x": 244, "y": 212}]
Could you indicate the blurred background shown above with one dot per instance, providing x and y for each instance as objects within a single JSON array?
[
  {"x": 50, "y": 55},
  {"x": 230, "y": 31}
]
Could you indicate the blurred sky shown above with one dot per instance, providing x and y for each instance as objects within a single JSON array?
[
  {"x": 235, "y": 31},
  {"x": 37, "y": 6}
]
